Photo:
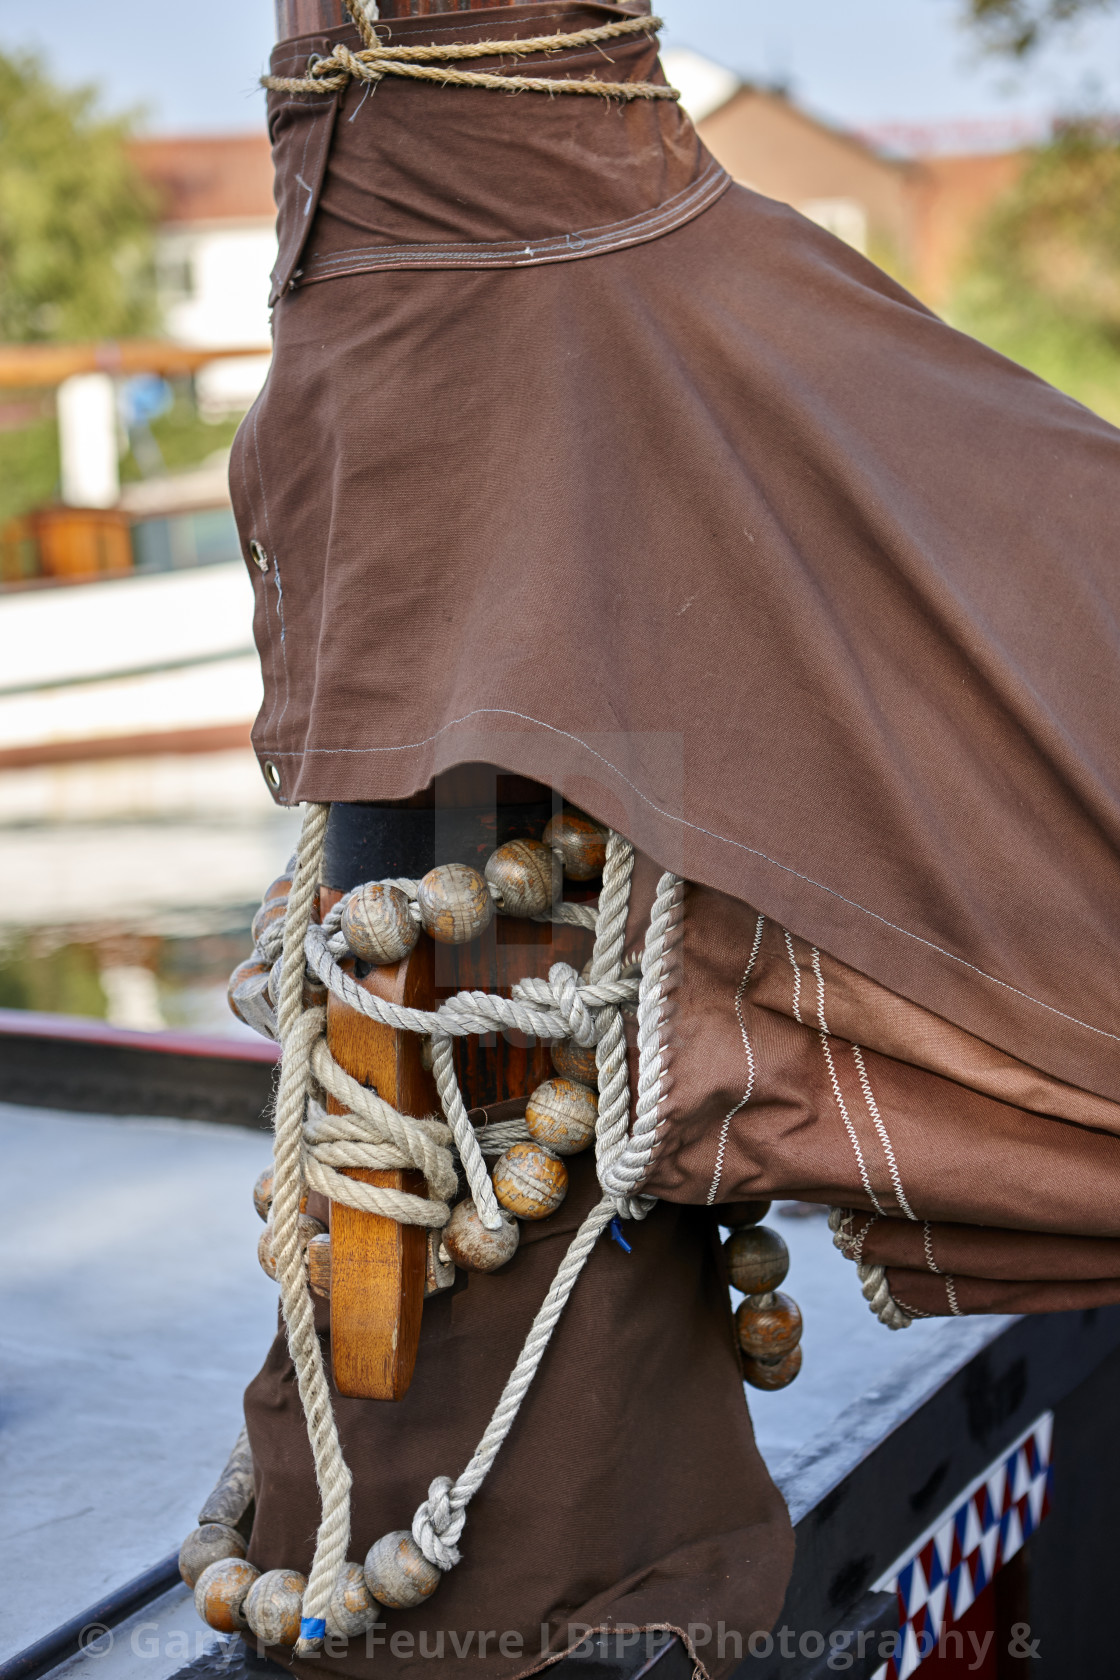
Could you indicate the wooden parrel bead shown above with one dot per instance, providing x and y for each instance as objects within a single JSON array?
[
  {"x": 319, "y": 1265},
  {"x": 530, "y": 1181},
  {"x": 275, "y": 1605},
  {"x": 206, "y": 1545},
  {"x": 397, "y": 1573},
  {"x": 575, "y": 1061},
  {"x": 273, "y": 910},
  {"x": 472, "y": 1246},
  {"x": 264, "y": 1252},
  {"x": 377, "y": 924},
  {"x": 455, "y": 903},
  {"x": 220, "y": 1593},
  {"x": 561, "y": 1114},
  {"x": 248, "y": 997},
  {"x": 757, "y": 1259},
  {"x": 772, "y": 1373},
  {"x": 769, "y": 1326},
  {"x": 353, "y": 1608},
  {"x": 581, "y": 843},
  {"x": 262, "y": 1193},
  {"x": 308, "y": 1229},
  {"x": 233, "y": 1493},
  {"x": 280, "y": 888},
  {"x": 526, "y": 876},
  {"x": 737, "y": 1214}
]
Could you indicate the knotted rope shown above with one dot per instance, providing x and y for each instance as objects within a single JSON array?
[
  {"x": 433, "y": 63},
  {"x": 311, "y": 1147}
]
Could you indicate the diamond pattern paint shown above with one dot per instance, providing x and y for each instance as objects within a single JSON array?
[{"x": 941, "y": 1576}]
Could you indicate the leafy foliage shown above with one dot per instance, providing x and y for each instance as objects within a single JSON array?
[
  {"x": 1018, "y": 26},
  {"x": 1044, "y": 283},
  {"x": 75, "y": 218}
]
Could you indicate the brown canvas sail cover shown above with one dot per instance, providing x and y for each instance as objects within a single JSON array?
[{"x": 577, "y": 459}]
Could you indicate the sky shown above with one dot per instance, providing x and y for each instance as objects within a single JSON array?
[{"x": 858, "y": 62}]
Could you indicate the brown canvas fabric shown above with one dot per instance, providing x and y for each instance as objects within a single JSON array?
[
  {"x": 721, "y": 533},
  {"x": 629, "y": 1493},
  {"x": 576, "y": 460}
]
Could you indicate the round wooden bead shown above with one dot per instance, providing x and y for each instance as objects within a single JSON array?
[
  {"x": 757, "y": 1259},
  {"x": 470, "y": 1245},
  {"x": 280, "y": 888},
  {"x": 377, "y": 924},
  {"x": 772, "y": 1373},
  {"x": 561, "y": 1114},
  {"x": 574, "y": 1061},
  {"x": 275, "y": 1605},
  {"x": 206, "y": 1545},
  {"x": 273, "y": 910},
  {"x": 530, "y": 1181},
  {"x": 455, "y": 903},
  {"x": 265, "y": 1254},
  {"x": 397, "y": 1572},
  {"x": 769, "y": 1326},
  {"x": 319, "y": 1265},
  {"x": 526, "y": 876},
  {"x": 736, "y": 1214},
  {"x": 220, "y": 1593},
  {"x": 262, "y": 1193},
  {"x": 353, "y": 1608},
  {"x": 582, "y": 845}
]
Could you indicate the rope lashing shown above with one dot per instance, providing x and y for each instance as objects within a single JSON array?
[
  {"x": 434, "y": 63},
  {"x": 311, "y": 1147},
  {"x": 873, "y": 1279}
]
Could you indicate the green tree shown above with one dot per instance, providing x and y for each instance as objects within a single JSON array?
[
  {"x": 75, "y": 218},
  {"x": 1043, "y": 285},
  {"x": 1018, "y": 26}
]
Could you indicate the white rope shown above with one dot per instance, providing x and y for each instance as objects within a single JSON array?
[
  {"x": 314, "y": 1147},
  {"x": 873, "y": 1279},
  {"x": 298, "y": 1031}
]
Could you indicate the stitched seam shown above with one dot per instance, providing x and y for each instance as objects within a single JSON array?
[
  {"x": 884, "y": 1139},
  {"x": 951, "y": 1292},
  {"x": 927, "y": 1244},
  {"x": 513, "y": 246},
  {"x": 708, "y": 833},
  {"x": 796, "y": 976},
  {"x": 822, "y": 1033},
  {"x": 725, "y": 1129},
  {"x": 557, "y": 249}
]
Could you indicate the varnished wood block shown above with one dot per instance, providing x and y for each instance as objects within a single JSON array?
[
  {"x": 757, "y": 1259},
  {"x": 378, "y": 1267},
  {"x": 530, "y": 1181},
  {"x": 262, "y": 1193},
  {"x": 220, "y": 1593},
  {"x": 319, "y": 1265},
  {"x": 247, "y": 995},
  {"x": 274, "y": 910}
]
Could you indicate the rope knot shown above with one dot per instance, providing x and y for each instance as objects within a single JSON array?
[
  {"x": 567, "y": 999},
  {"x": 437, "y": 1525}
]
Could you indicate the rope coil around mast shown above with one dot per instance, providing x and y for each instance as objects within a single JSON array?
[
  {"x": 309, "y": 1144},
  {"x": 434, "y": 63}
]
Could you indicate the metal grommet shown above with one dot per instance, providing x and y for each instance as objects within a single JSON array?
[
  {"x": 271, "y": 775},
  {"x": 257, "y": 555},
  {"x": 312, "y": 60}
]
